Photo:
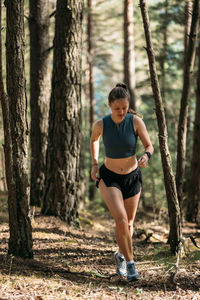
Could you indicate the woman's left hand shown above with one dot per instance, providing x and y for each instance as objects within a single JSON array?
[{"x": 143, "y": 161}]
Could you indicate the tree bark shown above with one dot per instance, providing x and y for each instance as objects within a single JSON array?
[
  {"x": 90, "y": 61},
  {"x": 20, "y": 242},
  {"x": 39, "y": 93},
  {"x": 129, "y": 53},
  {"x": 3, "y": 175},
  {"x": 7, "y": 146},
  {"x": 193, "y": 198},
  {"x": 188, "y": 20},
  {"x": 90, "y": 77},
  {"x": 165, "y": 23},
  {"x": 62, "y": 186},
  {"x": 170, "y": 186},
  {"x": 182, "y": 125}
]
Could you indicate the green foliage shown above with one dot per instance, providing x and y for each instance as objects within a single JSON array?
[
  {"x": 108, "y": 69},
  {"x": 166, "y": 19}
]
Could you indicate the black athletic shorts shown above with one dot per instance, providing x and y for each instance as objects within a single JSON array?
[{"x": 129, "y": 184}]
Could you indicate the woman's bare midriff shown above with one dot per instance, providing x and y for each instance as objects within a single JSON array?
[{"x": 121, "y": 165}]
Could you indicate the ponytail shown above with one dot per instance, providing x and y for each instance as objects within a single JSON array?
[{"x": 131, "y": 111}]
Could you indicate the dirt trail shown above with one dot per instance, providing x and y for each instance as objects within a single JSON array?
[{"x": 77, "y": 263}]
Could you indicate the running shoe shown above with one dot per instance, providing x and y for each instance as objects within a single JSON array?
[
  {"x": 120, "y": 264},
  {"x": 132, "y": 274}
]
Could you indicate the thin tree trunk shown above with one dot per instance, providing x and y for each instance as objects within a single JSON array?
[
  {"x": 182, "y": 125},
  {"x": 62, "y": 186},
  {"x": 170, "y": 186},
  {"x": 90, "y": 59},
  {"x": 129, "y": 53},
  {"x": 90, "y": 75},
  {"x": 188, "y": 20},
  {"x": 3, "y": 171},
  {"x": 165, "y": 23},
  {"x": 193, "y": 198},
  {"x": 39, "y": 93},
  {"x": 7, "y": 146},
  {"x": 153, "y": 194},
  {"x": 20, "y": 242}
]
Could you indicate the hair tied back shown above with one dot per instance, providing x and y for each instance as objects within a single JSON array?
[{"x": 122, "y": 85}]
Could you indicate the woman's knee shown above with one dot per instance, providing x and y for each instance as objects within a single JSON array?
[{"x": 121, "y": 223}]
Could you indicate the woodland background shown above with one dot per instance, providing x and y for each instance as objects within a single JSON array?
[
  {"x": 167, "y": 27},
  {"x": 103, "y": 47}
]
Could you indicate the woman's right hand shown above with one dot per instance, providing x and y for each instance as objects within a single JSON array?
[{"x": 95, "y": 173}]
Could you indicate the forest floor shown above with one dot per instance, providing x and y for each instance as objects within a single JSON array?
[{"x": 77, "y": 263}]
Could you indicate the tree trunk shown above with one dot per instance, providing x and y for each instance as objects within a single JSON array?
[
  {"x": 20, "y": 242},
  {"x": 193, "y": 201},
  {"x": 3, "y": 175},
  {"x": 129, "y": 53},
  {"x": 63, "y": 152},
  {"x": 39, "y": 93},
  {"x": 90, "y": 76},
  {"x": 188, "y": 20},
  {"x": 182, "y": 125},
  {"x": 170, "y": 186},
  {"x": 163, "y": 59},
  {"x": 188, "y": 157},
  {"x": 6, "y": 126}
]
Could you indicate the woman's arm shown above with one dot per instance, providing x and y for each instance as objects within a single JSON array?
[
  {"x": 94, "y": 148},
  {"x": 142, "y": 132}
]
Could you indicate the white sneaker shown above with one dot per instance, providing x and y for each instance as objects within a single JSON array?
[{"x": 120, "y": 264}]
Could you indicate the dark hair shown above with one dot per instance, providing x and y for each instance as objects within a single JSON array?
[{"x": 120, "y": 91}]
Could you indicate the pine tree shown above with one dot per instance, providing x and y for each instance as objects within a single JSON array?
[
  {"x": 182, "y": 124},
  {"x": 62, "y": 186},
  {"x": 193, "y": 196},
  {"x": 129, "y": 52},
  {"x": 39, "y": 93},
  {"x": 20, "y": 242},
  {"x": 170, "y": 186}
]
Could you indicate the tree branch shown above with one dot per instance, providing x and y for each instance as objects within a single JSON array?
[{"x": 52, "y": 14}]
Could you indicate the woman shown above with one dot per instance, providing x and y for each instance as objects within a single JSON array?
[{"x": 119, "y": 178}]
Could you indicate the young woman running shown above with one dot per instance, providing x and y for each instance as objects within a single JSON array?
[{"x": 119, "y": 178}]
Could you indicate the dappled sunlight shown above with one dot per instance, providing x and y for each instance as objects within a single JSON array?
[{"x": 71, "y": 262}]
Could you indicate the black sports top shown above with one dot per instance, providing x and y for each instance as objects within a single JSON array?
[{"x": 119, "y": 141}]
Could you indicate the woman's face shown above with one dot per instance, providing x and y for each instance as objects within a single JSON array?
[{"x": 119, "y": 109}]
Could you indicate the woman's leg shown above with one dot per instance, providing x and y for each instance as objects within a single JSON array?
[
  {"x": 131, "y": 205},
  {"x": 115, "y": 203}
]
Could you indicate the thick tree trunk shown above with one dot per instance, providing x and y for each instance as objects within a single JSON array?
[
  {"x": 20, "y": 242},
  {"x": 129, "y": 53},
  {"x": 39, "y": 93},
  {"x": 182, "y": 125},
  {"x": 193, "y": 198},
  {"x": 63, "y": 151},
  {"x": 90, "y": 76},
  {"x": 170, "y": 186}
]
